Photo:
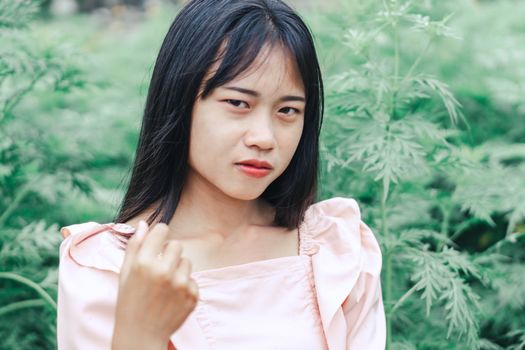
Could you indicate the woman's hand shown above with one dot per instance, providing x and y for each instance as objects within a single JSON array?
[{"x": 156, "y": 293}]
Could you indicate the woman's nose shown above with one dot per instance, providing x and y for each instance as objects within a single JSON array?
[{"x": 260, "y": 132}]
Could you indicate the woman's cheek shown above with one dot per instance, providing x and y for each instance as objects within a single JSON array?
[{"x": 291, "y": 137}]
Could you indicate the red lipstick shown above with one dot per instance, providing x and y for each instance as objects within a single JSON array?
[{"x": 255, "y": 168}]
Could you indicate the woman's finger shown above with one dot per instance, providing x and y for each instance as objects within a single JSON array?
[
  {"x": 153, "y": 243},
  {"x": 171, "y": 255},
  {"x": 182, "y": 273},
  {"x": 133, "y": 246},
  {"x": 194, "y": 288}
]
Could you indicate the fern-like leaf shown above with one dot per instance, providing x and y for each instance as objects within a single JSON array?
[{"x": 443, "y": 91}]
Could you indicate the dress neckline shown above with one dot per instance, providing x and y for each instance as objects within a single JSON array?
[
  {"x": 260, "y": 266},
  {"x": 307, "y": 247}
]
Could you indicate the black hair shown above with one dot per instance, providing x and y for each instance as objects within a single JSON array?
[{"x": 233, "y": 31}]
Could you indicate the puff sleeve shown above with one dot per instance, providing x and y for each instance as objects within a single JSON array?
[
  {"x": 87, "y": 288},
  {"x": 90, "y": 263},
  {"x": 347, "y": 266}
]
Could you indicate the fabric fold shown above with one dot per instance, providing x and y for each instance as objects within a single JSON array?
[
  {"x": 93, "y": 245},
  {"x": 346, "y": 250}
]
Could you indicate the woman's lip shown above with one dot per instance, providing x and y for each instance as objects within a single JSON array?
[
  {"x": 253, "y": 171},
  {"x": 256, "y": 163}
]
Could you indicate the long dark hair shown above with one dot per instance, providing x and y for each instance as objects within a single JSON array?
[{"x": 191, "y": 46}]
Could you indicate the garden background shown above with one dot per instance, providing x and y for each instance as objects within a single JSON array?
[{"x": 424, "y": 126}]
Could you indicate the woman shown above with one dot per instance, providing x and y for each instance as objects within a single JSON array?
[{"x": 218, "y": 243}]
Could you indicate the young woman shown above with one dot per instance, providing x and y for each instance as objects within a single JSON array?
[{"x": 218, "y": 243}]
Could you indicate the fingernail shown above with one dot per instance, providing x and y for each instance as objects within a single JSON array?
[{"x": 141, "y": 231}]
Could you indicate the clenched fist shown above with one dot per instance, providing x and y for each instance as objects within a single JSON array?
[{"x": 156, "y": 293}]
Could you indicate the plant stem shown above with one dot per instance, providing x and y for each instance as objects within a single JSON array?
[
  {"x": 396, "y": 71},
  {"x": 403, "y": 298},
  {"x": 16, "y": 201},
  {"x": 416, "y": 62},
  {"x": 21, "y": 305},
  {"x": 444, "y": 226},
  {"x": 388, "y": 267},
  {"x": 462, "y": 227},
  {"x": 384, "y": 224},
  {"x": 15, "y": 98},
  {"x": 30, "y": 284}
]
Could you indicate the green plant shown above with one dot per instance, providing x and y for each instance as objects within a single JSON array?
[
  {"x": 30, "y": 166},
  {"x": 395, "y": 131},
  {"x": 444, "y": 198}
]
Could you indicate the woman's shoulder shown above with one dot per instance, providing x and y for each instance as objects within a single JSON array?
[
  {"x": 336, "y": 208},
  {"x": 95, "y": 245},
  {"x": 333, "y": 226},
  {"x": 336, "y": 224},
  {"x": 346, "y": 261},
  {"x": 90, "y": 261},
  {"x": 335, "y": 205}
]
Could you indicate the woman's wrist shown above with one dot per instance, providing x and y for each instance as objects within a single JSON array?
[{"x": 136, "y": 341}]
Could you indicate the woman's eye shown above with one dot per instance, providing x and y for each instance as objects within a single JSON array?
[
  {"x": 289, "y": 110},
  {"x": 237, "y": 103}
]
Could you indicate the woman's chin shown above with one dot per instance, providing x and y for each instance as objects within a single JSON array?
[{"x": 246, "y": 193}]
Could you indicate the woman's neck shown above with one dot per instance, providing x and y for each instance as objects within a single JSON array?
[{"x": 205, "y": 209}]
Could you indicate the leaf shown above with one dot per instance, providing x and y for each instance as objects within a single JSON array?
[
  {"x": 83, "y": 183},
  {"x": 517, "y": 215},
  {"x": 357, "y": 40},
  {"x": 356, "y": 90},
  {"x": 415, "y": 237},
  {"x": 442, "y": 90},
  {"x": 459, "y": 262},
  {"x": 388, "y": 155},
  {"x": 497, "y": 196},
  {"x": 424, "y": 129},
  {"x": 433, "y": 28},
  {"x": 393, "y": 12},
  {"x": 520, "y": 334},
  {"x": 30, "y": 245},
  {"x": 486, "y": 344},
  {"x": 17, "y": 13},
  {"x": 438, "y": 279},
  {"x": 459, "y": 302},
  {"x": 430, "y": 275},
  {"x": 403, "y": 345}
]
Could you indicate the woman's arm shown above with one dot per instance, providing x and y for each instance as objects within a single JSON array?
[
  {"x": 85, "y": 305},
  {"x": 365, "y": 315},
  {"x": 128, "y": 340},
  {"x": 138, "y": 307}
]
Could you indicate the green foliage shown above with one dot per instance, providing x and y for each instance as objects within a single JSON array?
[
  {"x": 396, "y": 136},
  {"x": 17, "y": 14},
  {"x": 58, "y": 166},
  {"x": 30, "y": 169},
  {"x": 424, "y": 125}
]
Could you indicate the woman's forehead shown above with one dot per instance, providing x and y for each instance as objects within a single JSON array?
[{"x": 273, "y": 65}]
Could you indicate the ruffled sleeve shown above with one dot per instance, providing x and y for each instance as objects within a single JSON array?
[
  {"x": 91, "y": 256},
  {"x": 346, "y": 263},
  {"x": 87, "y": 287}
]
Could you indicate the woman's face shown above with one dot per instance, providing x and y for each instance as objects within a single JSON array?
[{"x": 257, "y": 116}]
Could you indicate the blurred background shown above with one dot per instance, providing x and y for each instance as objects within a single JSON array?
[{"x": 424, "y": 126}]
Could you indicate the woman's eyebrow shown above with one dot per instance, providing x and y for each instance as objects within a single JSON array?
[{"x": 256, "y": 94}]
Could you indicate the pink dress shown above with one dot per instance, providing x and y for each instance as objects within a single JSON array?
[{"x": 327, "y": 297}]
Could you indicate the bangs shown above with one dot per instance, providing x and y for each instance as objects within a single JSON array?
[
  {"x": 240, "y": 49},
  {"x": 251, "y": 36}
]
